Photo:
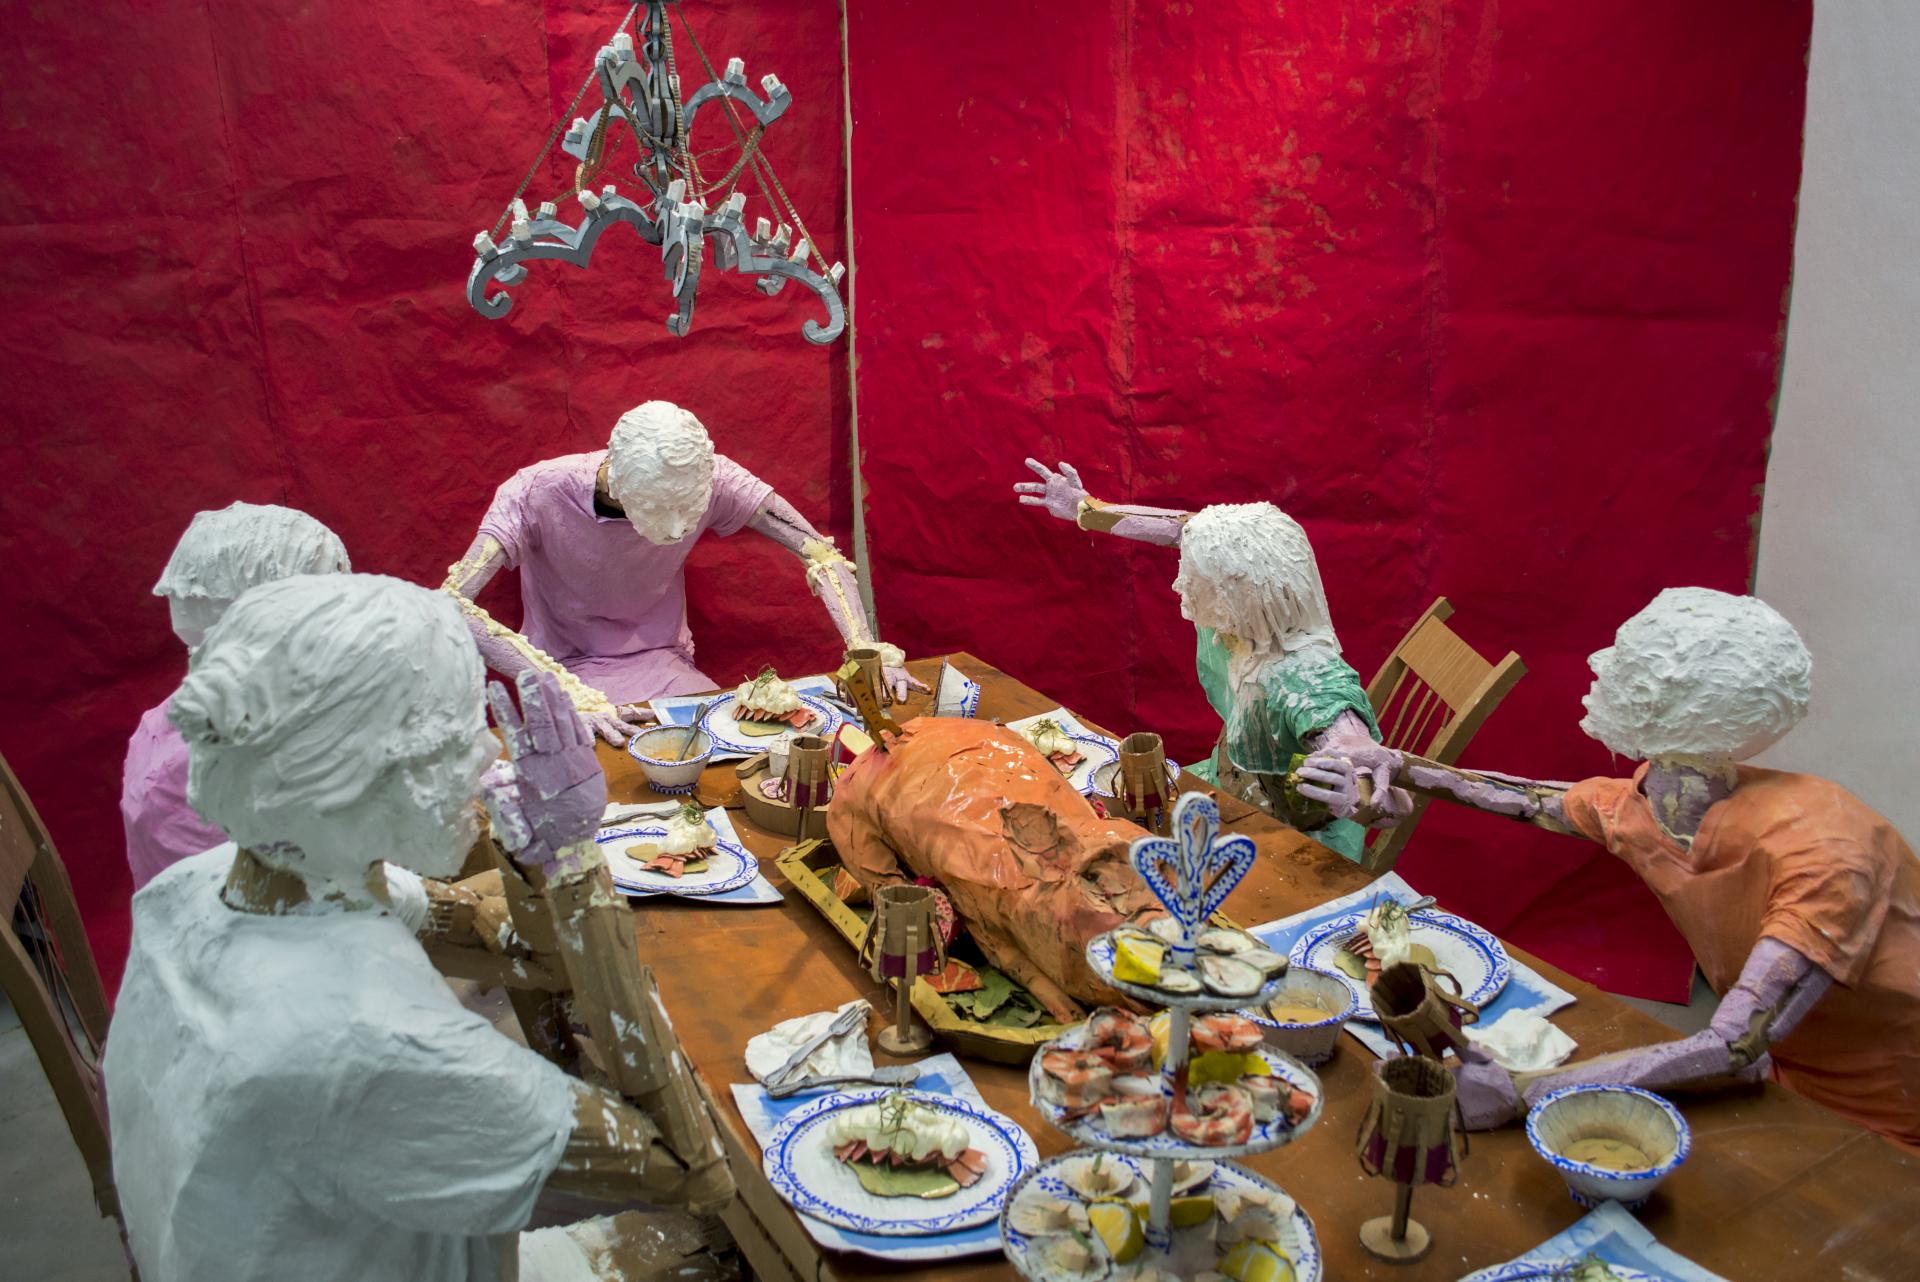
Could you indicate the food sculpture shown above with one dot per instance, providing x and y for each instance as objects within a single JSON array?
[
  {"x": 900, "y": 1148},
  {"x": 1032, "y": 871},
  {"x": 682, "y": 849},
  {"x": 1384, "y": 939},
  {"x": 766, "y": 705},
  {"x": 1801, "y": 904},
  {"x": 1266, "y": 653},
  {"x": 1157, "y": 1102},
  {"x": 1054, "y": 743}
]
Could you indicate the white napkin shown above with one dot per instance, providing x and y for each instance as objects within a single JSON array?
[
  {"x": 1522, "y": 1042},
  {"x": 847, "y": 1055}
]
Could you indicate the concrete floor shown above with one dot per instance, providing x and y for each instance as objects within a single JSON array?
[{"x": 49, "y": 1231}]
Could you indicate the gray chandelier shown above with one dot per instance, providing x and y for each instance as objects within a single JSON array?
[{"x": 682, "y": 212}]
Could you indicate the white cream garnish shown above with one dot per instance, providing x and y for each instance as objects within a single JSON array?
[
  {"x": 901, "y": 1126},
  {"x": 768, "y": 693}
]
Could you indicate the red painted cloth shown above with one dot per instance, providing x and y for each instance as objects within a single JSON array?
[{"x": 1488, "y": 295}]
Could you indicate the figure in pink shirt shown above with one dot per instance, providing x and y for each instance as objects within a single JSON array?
[
  {"x": 601, "y": 541},
  {"x": 222, "y": 554}
]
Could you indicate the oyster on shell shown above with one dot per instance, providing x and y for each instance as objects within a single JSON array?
[
  {"x": 1231, "y": 977},
  {"x": 1222, "y": 940},
  {"x": 1265, "y": 960},
  {"x": 1175, "y": 980}
]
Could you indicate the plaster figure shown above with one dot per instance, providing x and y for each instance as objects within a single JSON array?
[
  {"x": 295, "y": 1092},
  {"x": 1801, "y": 904},
  {"x": 601, "y": 539},
  {"x": 1267, "y": 654},
  {"x": 222, "y": 554}
]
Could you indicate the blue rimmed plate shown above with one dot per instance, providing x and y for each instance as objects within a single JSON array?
[
  {"x": 1471, "y": 955},
  {"x": 729, "y": 866},
  {"x": 724, "y": 729},
  {"x": 1554, "y": 1271},
  {"x": 1192, "y": 1251},
  {"x": 800, "y": 1164}
]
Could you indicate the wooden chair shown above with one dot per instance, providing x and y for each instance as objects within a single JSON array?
[
  {"x": 48, "y": 974},
  {"x": 1430, "y": 697}
]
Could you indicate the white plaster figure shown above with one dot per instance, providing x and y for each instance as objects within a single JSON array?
[
  {"x": 1267, "y": 655},
  {"x": 1801, "y": 904},
  {"x": 296, "y": 1094},
  {"x": 601, "y": 539},
  {"x": 221, "y": 555}
]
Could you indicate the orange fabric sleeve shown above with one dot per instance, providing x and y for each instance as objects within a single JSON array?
[{"x": 1591, "y": 804}]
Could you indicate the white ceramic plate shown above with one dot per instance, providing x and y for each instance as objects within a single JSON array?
[
  {"x": 729, "y": 866},
  {"x": 1193, "y": 1251},
  {"x": 800, "y": 1164},
  {"x": 724, "y": 729},
  {"x": 1462, "y": 949}
]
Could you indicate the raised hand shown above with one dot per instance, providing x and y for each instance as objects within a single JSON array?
[
  {"x": 554, "y": 792},
  {"x": 1333, "y": 779},
  {"x": 899, "y": 682},
  {"x": 1058, "y": 492}
]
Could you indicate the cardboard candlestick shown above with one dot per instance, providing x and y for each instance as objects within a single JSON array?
[
  {"x": 903, "y": 942},
  {"x": 1140, "y": 784},
  {"x": 869, "y": 662},
  {"x": 808, "y": 775},
  {"x": 1418, "y": 1013},
  {"x": 1408, "y": 1134}
]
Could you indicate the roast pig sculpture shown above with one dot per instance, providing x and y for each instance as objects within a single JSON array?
[{"x": 1031, "y": 869}]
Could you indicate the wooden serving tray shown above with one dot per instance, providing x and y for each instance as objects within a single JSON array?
[{"x": 812, "y": 873}]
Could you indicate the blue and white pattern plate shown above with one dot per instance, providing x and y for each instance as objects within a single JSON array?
[
  {"x": 1193, "y": 1251},
  {"x": 722, "y": 727},
  {"x": 1471, "y": 955},
  {"x": 1552, "y": 1271},
  {"x": 800, "y": 1164},
  {"x": 1265, "y": 1136},
  {"x": 729, "y": 866}
]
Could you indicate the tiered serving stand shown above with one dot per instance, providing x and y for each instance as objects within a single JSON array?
[{"x": 1192, "y": 873}]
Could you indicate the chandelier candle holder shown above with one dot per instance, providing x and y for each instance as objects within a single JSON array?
[{"x": 678, "y": 209}]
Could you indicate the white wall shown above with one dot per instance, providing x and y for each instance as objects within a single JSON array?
[{"x": 1840, "y": 530}]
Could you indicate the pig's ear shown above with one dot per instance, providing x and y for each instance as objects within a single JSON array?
[{"x": 1034, "y": 829}]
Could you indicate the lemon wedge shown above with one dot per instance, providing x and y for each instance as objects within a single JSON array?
[
  {"x": 1119, "y": 1228},
  {"x": 1161, "y": 1029},
  {"x": 1225, "y": 1066},
  {"x": 1189, "y": 1212},
  {"x": 1257, "y": 1262},
  {"x": 1137, "y": 960}
]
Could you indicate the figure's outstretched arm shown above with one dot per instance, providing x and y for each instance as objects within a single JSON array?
[
  {"x": 1776, "y": 988},
  {"x": 834, "y": 581},
  {"x": 1063, "y": 496},
  {"x": 1535, "y": 801},
  {"x": 508, "y": 653}
]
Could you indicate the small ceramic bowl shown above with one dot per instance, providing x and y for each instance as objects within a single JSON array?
[
  {"x": 658, "y": 752},
  {"x": 1310, "y": 1043},
  {"x": 1625, "y": 1114}
]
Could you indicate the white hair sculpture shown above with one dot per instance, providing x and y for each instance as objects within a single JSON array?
[
  {"x": 1247, "y": 571},
  {"x": 660, "y": 470},
  {"x": 1699, "y": 673},
  {"x": 336, "y": 720},
  {"x": 227, "y": 550}
]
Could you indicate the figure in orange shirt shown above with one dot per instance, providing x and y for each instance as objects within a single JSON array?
[{"x": 1801, "y": 904}]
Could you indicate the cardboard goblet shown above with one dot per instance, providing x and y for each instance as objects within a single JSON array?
[
  {"x": 903, "y": 943},
  {"x": 1140, "y": 784},
  {"x": 1408, "y": 1135}
]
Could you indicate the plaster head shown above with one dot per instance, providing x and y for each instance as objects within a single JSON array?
[
  {"x": 660, "y": 470},
  {"x": 1698, "y": 674},
  {"x": 225, "y": 551},
  {"x": 335, "y": 720},
  {"x": 1248, "y": 572}
]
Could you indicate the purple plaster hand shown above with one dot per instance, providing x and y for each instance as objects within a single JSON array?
[
  {"x": 1342, "y": 753},
  {"x": 1059, "y": 492},
  {"x": 1486, "y": 1091},
  {"x": 554, "y": 793}
]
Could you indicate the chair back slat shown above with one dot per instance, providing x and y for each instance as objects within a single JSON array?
[
  {"x": 1430, "y": 698},
  {"x": 48, "y": 973}
]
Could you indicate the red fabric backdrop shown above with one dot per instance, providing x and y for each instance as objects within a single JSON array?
[
  {"x": 236, "y": 244},
  {"x": 1489, "y": 295}
]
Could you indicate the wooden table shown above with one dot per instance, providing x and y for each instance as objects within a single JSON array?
[{"x": 1776, "y": 1187}]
